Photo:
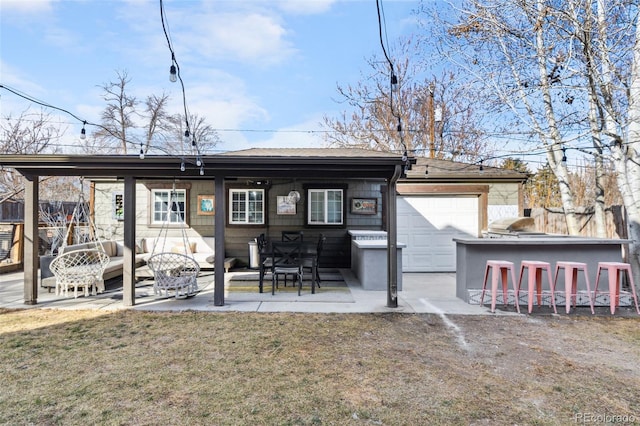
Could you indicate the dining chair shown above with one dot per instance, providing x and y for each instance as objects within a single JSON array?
[
  {"x": 292, "y": 236},
  {"x": 308, "y": 260},
  {"x": 287, "y": 260},
  {"x": 264, "y": 258}
]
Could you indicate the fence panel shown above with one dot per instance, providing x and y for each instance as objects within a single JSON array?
[{"x": 552, "y": 221}]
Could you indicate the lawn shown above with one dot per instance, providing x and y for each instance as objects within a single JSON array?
[{"x": 203, "y": 368}]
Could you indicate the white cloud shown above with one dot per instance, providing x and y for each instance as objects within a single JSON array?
[
  {"x": 26, "y": 6},
  {"x": 249, "y": 38},
  {"x": 306, "y": 7}
]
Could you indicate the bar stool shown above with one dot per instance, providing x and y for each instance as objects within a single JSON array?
[
  {"x": 534, "y": 277},
  {"x": 571, "y": 282},
  {"x": 501, "y": 266},
  {"x": 614, "y": 269}
]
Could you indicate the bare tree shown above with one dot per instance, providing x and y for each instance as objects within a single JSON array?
[
  {"x": 158, "y": 122},
  {"x": 202, "y": 138},
  {"x": 118, "y": 117},
  {"x": 149, "y": 129},
  {"x": 437, "y": 117},
  {"x": 29, "y": 133}
]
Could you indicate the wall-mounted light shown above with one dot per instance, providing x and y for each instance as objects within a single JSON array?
[{"x": 293, "y": 197}]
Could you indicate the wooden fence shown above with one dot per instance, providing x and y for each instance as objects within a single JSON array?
[{"x": 552, "y": 221}]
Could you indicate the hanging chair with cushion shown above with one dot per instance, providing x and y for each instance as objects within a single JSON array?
[
  {"x": 83, "y": 263},
  {"x": 79, "y": 268},
  {"x": 174, "y": 270}
]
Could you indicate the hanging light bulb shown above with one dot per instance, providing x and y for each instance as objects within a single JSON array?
[
  {"x": 564, "y": 156},
  {"x": 394, "y": 83},
  {"x": 481, "y": 167},
  {"x": 193, "y": 141},
  {"x": 201, "y": 171},
  {"x": 83, "y": 132},
  {"x": 186, "y": 136},
  {"x": 405, "y": 157},
  {"x": 141, "y": 154},
  {"x": 198, "y": 162},
  {"x": 173, "y": 73},
  {"x": 182, "y": 167}
]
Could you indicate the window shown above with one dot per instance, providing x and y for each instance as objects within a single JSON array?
[
  {"x": 325, "y": 206},
  {"x": 161, "y": 209},
  {"x": 247, "y": 206}
]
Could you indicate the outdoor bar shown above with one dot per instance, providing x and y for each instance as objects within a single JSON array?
[{"x": 473, "y": 253}]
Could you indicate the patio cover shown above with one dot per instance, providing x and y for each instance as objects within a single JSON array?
[{"x": 251, "y": 163}]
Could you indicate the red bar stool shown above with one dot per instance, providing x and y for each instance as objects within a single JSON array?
[
  {"x": 613, "y": 270},
  {"x": 571, "y": 282},
  {"x": 499, "y": 269},
  {"x": 534, "y": 277}
]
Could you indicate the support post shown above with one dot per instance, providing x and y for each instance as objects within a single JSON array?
[
  {"x": 392, "y": 241},
  {"x": 31, "y": 239},
  {"x": 129, "y": 255},
  {"x": 218, "y": 291}
]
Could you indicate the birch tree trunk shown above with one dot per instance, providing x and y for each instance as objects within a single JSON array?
[{"x": 627, "y": 160}]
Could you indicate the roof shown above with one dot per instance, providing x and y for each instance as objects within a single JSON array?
[
  {"x": 262, "y": 163},
  {"x": 436, "y": 170},
  {"x": 312, "y": 152}
]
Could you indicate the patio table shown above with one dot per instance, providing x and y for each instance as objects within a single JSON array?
[{"x": 309, "y": 251}]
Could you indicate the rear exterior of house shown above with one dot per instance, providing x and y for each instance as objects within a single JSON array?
[
  {"x": 253, "y": 207},
  {"x": 449, "y": 201}
]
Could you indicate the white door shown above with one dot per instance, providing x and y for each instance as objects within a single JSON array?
[{"x": 428, "y": 224}]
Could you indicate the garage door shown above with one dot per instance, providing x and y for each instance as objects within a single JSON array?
[{"x": 428, "y": 224}]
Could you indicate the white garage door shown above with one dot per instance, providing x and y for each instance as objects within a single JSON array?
[{"x": 428, "y": 224}]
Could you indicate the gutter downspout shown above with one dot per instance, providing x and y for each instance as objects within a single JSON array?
[{"x": 392, "y": 240}]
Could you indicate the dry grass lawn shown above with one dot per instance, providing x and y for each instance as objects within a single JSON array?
[{"x": 197, "y": 368}]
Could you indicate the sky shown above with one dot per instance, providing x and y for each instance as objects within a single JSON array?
[{"x": 263, "y": 73}]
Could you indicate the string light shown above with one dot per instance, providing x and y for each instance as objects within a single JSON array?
[
  {"x": 83, "y": 132},
  {"x": 201, "y": 171},
  {"x": 564, "y": 156},
  {"x": 173, "y": 74},
  {"x": 394, "y": 82},
  {"x": 182, "y": 166}
]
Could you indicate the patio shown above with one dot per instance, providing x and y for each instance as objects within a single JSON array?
[{"x": 341, "y": 293}]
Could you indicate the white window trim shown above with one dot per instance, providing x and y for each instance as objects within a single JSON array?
[
  {"x": 153, "y": 210},
  {"x": 246, "y": 222},
  {"x": 325, "y": 191}
]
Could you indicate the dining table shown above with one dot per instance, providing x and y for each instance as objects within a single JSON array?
[{"x": 309, "y": 250}]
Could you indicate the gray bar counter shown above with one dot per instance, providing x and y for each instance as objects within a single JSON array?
[{"x": 473, "y": 253}]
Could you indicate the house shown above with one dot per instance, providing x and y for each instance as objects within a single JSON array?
[
  {"x": 451, "y": 200},
  {"x": 240, "y": 195}
]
